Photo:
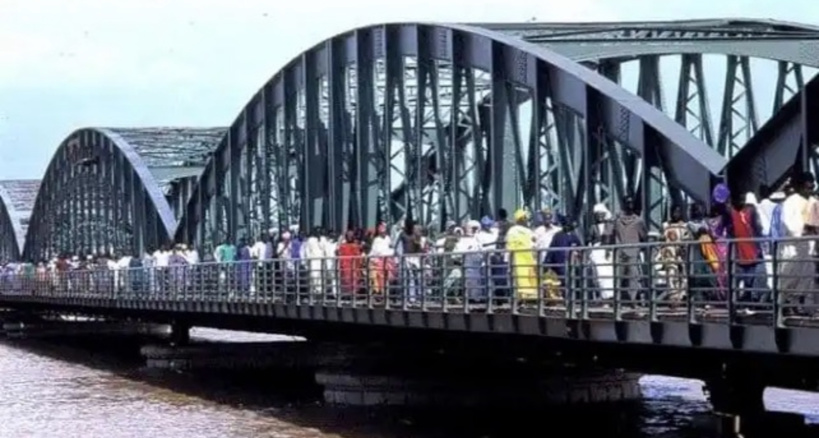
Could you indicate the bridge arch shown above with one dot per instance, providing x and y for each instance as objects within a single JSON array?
[
  {"x": 336, "y": 138},
  {"x": 597, "y": 41},
  {"x": 16, "y": 203},
  {"x": 654, "y": 46},
  {"x": 107, "y": 190},
  {"x": 637, "y": 55}
]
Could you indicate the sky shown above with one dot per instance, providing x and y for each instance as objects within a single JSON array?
[{"x": 66, "y": 65}]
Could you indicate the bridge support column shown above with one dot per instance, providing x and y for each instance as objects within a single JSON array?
[
  {"x": 60, "y": 327},
  {"x": 205, "y": 355},
  {"x": 180, "y": 333},
  {"x": 737, "y": 399},
  {"x": 415, "y": 379}
]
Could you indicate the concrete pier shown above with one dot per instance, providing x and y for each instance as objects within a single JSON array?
[
  {"x": 345, "y": 388},
  {"x": 419, "y": 378},
  {"x": 763, "y": 425},
  {"x": 225, "y": 355},
  {"x": 52, "y": 328},
  {"x": 378, "y": 376},
  {"x": 180, "y": 333}
]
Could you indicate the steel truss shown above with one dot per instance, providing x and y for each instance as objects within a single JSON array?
[
  {"x": 787, "y": 142},
  {"x": 175, "y": 156},
  {"x": 411, "y": 127},
  {"x": 341, "y": 137},
  {"x": 107, "y": 191},
  {"x": 608, "y": 47},
  {"x": 16, "y": 203}
]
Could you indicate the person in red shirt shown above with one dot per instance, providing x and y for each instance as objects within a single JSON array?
[
  {"x": 350, "y": 264},
  {"x": 744, "y": 224}
]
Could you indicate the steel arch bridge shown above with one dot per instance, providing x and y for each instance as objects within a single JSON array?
[
  {"x": 438, "y": 122},
  {"x": 16, "y": 203},
  {"x": 424, "y": 121},
  {"x": 112, "y": 191}
]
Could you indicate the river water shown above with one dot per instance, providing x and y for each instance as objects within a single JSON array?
[{"x": 49, "y": 389}]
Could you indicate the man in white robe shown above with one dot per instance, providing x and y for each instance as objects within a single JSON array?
[
  {"x": 797, "y": 270},
  {"x": 330, "y": 250},
  {"x": 765, "y": 211},
  {"x": 602, "y": 233},
  {"x": 314, "y": 253},
  {"x": 191, "y": 255},
  {"x": 162, "y": 258}
]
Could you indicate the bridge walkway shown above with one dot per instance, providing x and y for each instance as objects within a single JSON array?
[{"x": 611, "y": 299}]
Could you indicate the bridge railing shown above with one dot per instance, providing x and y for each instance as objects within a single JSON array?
[{"x": 695, "y": 281}]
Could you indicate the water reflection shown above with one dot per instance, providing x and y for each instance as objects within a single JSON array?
[{"x": 72, "y": 389}]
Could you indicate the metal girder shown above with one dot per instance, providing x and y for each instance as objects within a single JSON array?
[
  {"x": 738, "y": 121},
  {"x": 779, "y": 146},
  {"x": 692, "y": 109},
  {"x": 605, "y": 47},
  {"x": 420, "y": 135},
  {"x": 339, "y": 137},
  {"x": 770, "y": 39},
  {"x": 175, "y": 156},
  {"x": 16, "y": 202},
  {"x": 99, "y": 195}
]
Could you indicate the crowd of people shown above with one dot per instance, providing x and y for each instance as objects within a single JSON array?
[{"x": 738, "y": 246}]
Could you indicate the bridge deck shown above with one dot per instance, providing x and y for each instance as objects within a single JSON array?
[
  {"x": 666, "y": 303},
  {"x": 670, "y": 330}
]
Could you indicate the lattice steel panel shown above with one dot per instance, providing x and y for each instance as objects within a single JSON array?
[
  {"x": 16, "y": 203},
  {"x": 436, "y": 122},
  {"x": 426, "y": 122}
]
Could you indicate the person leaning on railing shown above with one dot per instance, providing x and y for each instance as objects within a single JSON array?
[
  {"x": 520, "y": 242},
  {"x": 452, "y": 262},
  {"x": 704, "y": 266},
  {"x": 350, "y": 263},
  {"x": 797, "y": 270},
  {"x": 629, "y": 230},
  {"x": 560, "y": 257},
  {"x": 381, "y": 263},
  {"x": 411, "y": 247},
  {"x": 672, "y": 255}
]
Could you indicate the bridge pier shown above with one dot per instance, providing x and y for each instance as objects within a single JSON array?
[
  {"x": 34, "y": 326},
  {"x": 732, "y": 397},
  {"x": 180, "y": 333},
  {"x": 413, "y": 378},
  {"x": 231, "y": 355},
  {"x": 737, "y": 398}
]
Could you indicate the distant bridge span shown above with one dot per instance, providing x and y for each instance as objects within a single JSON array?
[{"x": 107, "y": 190}]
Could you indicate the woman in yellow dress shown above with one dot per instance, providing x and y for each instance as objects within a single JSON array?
[{"x": 520, "y": 242}]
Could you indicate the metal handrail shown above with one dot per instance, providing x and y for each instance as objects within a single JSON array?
[{"x": 653, "y": 281}]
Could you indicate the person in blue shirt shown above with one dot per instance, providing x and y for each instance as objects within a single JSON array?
[{"x": 560, "y": 251}]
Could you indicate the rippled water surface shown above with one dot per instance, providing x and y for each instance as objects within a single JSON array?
[{"x": 48, "y": 390}]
